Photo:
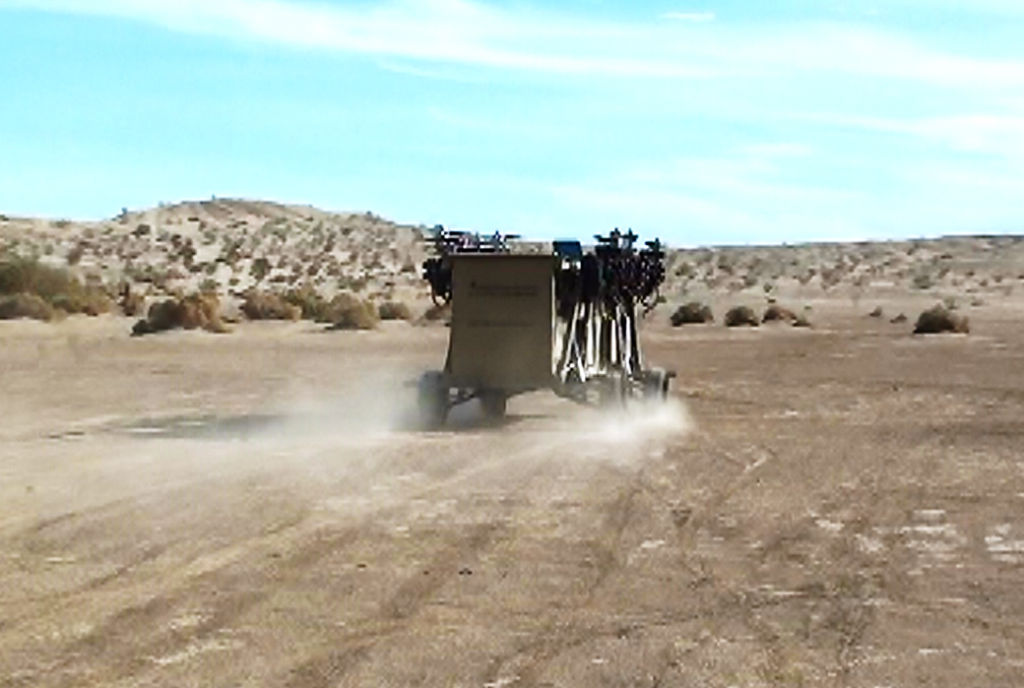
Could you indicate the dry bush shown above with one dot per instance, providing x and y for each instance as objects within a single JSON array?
[
  {"x": 741, "y": 315},
  {"x": 25, "y": 306},
  {"x": 394, "y": 310},
  {"x": 311, "y": 305},
  {"x": 89, "y": 300},
  {"x": 189, "y": 313},
  {"x": 802, "y": 321},
  {"x": 132, "y": 304},
  {"x": 940, "y": 319},
  {"x": 692, "y": 313},
  {"x": 57, "y": 287},
  {"x": 776, "y": 313},
  {"x": 261, "y": 305},
  {"x": 901, "y": 318},
  {"x": 877, "y": 313},
  {"x": 349, "y": 312}
]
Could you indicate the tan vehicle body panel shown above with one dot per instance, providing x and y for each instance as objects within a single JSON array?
[{"x": 503, "y": 320}]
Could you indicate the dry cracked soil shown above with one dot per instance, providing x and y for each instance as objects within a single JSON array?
[{"x": 839, "y": 506}]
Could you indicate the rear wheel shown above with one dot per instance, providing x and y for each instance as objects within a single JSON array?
[
  {"x": 433, "y": 400},
  {"x": 656, "y": 385},
  {"x": 613, "y": 390},
  {"x": 494, "y": 403}
]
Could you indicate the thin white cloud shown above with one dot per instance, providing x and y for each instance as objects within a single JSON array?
[
  {"x": 479, "y": 34},
  {"x": 440, "y": 31}
]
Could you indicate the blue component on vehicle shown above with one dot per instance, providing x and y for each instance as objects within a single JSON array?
[{"x": 568, "y": 248}]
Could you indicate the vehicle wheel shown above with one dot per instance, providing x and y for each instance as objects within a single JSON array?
[
  {"x": 433, "y": 400},
  {"x": 656, "y": 385},
  {"x": 494, "y": 403},
  {"x": 613, "y": 391}
]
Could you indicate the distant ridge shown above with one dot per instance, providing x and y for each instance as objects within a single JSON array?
[{"x": 232, "y": 245}]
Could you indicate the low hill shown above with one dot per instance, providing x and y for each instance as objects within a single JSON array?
[{"x": 232, "y": 245}]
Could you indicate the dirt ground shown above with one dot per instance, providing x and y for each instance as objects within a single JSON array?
[{"x": 840, "y": 506}]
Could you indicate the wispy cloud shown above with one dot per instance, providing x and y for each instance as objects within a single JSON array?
[
  {"x": 478, "y": 34},
  {"x": 440, "y": 31}
]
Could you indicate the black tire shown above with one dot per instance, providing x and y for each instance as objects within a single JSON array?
[
  {"x": 494, "y": 403},
  {"x": 613, "y": 391},
  {"x": 656, "y": 385},
  {"x": 432, "y": 401}
]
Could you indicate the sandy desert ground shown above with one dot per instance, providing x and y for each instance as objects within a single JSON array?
[{"x": 836, "y": 506}]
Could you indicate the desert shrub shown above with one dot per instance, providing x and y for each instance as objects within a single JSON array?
[
  {"x": 741, "y": 315},
  {"x": 89, "y": 300},
  {"x": 802, "y": 321},
  {"x": 940, "y": 319},
  {"x": 56, "y": 286},
  {"x": 692, "y": 313},
  {"x": 394, "y": 310},
  {"x": 923, "y": 280},
  {"x": 776, "y": 313},
  {"x": 25, "y": 276},
  {"x": 132, "y": 303},
  {"x": 260, "y": 268},
  {"x": 25, "y": 306},
  {"x": 262, "y": 305},
  {"x": 349, "y": 312},
  {"x": 877, "y": 313},
  {"x": 901, "y": 318},
  {"x": 189, "y": 312},
  {"x": 311, "y": 305},
  {"x": 74, "y": 256}
]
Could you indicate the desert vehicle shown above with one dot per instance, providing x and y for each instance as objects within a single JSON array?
[{"x": 564, "y": 320}]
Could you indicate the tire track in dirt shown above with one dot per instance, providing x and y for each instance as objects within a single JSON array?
[
  {"x": 524, "y": 666},
  {"x": 128, "y": 643},
  {"x": 416, "y": 591},
  {"x": 411, "y": 596}
]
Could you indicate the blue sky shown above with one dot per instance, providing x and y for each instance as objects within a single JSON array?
[{"x": 702, "y": 122}]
